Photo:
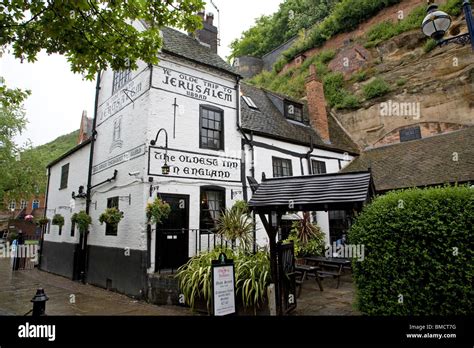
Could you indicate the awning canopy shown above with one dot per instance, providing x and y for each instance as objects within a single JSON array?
[{"x": 313, "y": 193}]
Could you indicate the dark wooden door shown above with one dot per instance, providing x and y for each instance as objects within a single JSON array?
[{"x": 172, "y": 240}]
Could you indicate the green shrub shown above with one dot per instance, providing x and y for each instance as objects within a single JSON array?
[
  {"x": 82, "y": 220},
  {"x": 111, "y": 216},
  {"x": 252, "y": 276},
  {"x": 418, "y": 253},
  {"x": 452, "y": 7},
  {"x": 375, "y": 88},
  {"x": 336, "y": 95},
  {"x": 401, "y": 82},
  {"x": 430, "y": 45},
  {"x": 157, "y": 211},
  {"x": 360, "y": 76}
]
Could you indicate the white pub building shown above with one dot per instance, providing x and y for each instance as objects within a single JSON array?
[{"x": 193, "y": 114}]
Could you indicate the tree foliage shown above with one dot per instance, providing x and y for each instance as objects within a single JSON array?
[
  {"x": 93, "y": 34},
  {"x": 269, "y": 32}
]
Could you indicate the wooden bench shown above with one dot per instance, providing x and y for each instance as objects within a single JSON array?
[
  {"x": 305, "y": 271},
  {"x": 330, "y": 271}
]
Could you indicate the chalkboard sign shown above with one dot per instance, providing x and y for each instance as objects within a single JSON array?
[{"x": 223, "y": 286}]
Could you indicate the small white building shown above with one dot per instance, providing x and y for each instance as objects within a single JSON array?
[{"x": 211, "y": 129}]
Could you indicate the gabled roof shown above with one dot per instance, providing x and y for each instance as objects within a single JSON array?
[
  {"x": 183, "y": 45},
  {"x": 270, "y": 121},
  {"x": 313, "y": 192},
  {"x": 425, "y": 162}
]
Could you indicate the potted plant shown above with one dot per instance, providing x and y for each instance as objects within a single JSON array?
[
  {"x": 42, "y": 221},
  {"x": 82, "y": 220},
  {"x": 58, "y": 220},
  {"x": 157, "y": 211},
  {"x": 307, "y": 237},
  {"x": 236, "y": 224}
]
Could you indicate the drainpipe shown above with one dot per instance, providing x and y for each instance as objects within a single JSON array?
[
  {"x": 43, "y": 229},
  {"x": 308, "y": 157},
  {"x": 83, "y": 265}
]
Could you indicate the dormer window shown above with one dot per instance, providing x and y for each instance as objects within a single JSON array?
[
  {"x": 294, "y": 111},
  {"x": 251, "y": 104}
]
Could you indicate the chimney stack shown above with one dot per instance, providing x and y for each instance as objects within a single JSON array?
[
  {"x": 209, "y": 33},
  {"x": 317, "y": 104}
]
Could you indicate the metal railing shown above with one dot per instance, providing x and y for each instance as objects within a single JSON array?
[{"x": 207, "y": 240}]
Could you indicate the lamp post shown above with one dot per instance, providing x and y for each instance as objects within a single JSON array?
[
  {"x": 165, "y": 169},
  {"x": 437, "y": 23}
]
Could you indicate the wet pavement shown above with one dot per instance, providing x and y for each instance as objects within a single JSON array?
[
  {"x": 67, "y": 297},
  {"x": 329, "y": 302}
]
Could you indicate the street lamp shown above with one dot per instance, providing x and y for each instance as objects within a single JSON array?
[
  {"x": 165, "y": 169},
  {"x": 437, "y": 23}
]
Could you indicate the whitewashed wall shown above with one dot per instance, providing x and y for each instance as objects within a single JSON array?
[
  {"x": 263, "y": 164},
  {"x": 59, "y": 201}
]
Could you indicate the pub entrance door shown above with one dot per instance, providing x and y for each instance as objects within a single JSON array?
[{"x": 172, "y": 236}]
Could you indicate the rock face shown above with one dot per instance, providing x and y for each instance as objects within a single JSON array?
[{"x": 434, "y": 91}]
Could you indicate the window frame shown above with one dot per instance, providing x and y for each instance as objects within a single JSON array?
[
  {"x": 23, "y": 204},
  {"x": 416, "y": 133},
  {"x": 112, "y": 202},
  {"x": 274, "y": 159},
  {"x": 221, "y": 191},
  {"x": 12, "y": 205},
  {"x": 315, "y": 163},
  {"x": 221, "y": 131},
  {"x": 35, "y": 201},
  {"x": 118, "y": 80},
  {"x": 64, "y": 177},
  {"x": 286, "y": 106}
]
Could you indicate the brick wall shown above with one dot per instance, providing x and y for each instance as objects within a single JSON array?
[{"x": 317, "y": 104}]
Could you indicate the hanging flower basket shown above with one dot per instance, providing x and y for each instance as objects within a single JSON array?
[
  {"x": 111, "y": 216},
  {"x": 58, "y": 220},
  {"x": 42, "y": 221},
  {"x": 157, "y": 211},
  {"x": 82, "y": 220}
]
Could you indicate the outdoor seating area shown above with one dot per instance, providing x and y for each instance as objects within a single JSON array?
[{"x": 320, "y": 268}]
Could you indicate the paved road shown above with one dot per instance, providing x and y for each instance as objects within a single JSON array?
[{"x": 18, "y": 288}]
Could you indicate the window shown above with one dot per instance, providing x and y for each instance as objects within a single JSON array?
[
  {"x": 212, "y": 204},
  {"x": 12, "y": 205},
  {"x": 212, "y": 125},
  {"x": 111, "y": 230},
  {"x": 410, "y": 134},
  {"x": 294, "y": 112},
  {"x": 64, "y": 176},
  {"x": 250, "y": 102},
  {"x": 282, "y": 167},
  {"x": 319, "y": 167},
  {"x": 35, "y": 204},
  {"x": 23, "y": 204},
  {"x": 120, "y": 79},
  {"x": 73, "y": 229}
]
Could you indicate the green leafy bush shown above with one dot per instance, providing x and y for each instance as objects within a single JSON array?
[
  {"x": 82, "y": 220},
  {"x": 42, "y": 221},
  {"x": 236, "y": 224},
  {"x": 336, "y": 95},
  {"x": 58, "y": 220},
  {"x": 252, "y": 276},
  {"x": 376, "y": 88},
  {"x": 419, "y": 249},
  {"x": 401, "y": 82}
]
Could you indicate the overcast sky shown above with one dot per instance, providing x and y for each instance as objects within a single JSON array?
[{"x": 59, "y": 96}]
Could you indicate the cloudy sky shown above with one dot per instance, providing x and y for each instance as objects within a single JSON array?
[{"x": 59, "y": 96}]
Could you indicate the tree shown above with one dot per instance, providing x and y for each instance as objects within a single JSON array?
[
  {"x": 93, "y": 34},
  {"x": 269, "y": 32}
]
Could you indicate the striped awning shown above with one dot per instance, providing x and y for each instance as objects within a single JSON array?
[{"x": 313, "y": 192}]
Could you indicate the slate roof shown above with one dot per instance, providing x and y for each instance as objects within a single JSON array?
[
  {"x": 269, "y": 121},
  {"x": 419, "y": 163},
  {"x": 313, "y": 192},
  {"x": 183, "y": 45}
]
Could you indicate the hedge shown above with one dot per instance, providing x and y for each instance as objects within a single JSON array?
[{"x": 419, "y": 249}]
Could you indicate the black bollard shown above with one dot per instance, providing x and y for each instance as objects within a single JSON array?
[{"x": 39, "y": 303}]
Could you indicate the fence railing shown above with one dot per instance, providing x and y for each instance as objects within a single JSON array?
[{"x": 207, "y": 240}]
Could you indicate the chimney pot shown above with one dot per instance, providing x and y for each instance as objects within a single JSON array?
[{"x": 210, "y": 18}]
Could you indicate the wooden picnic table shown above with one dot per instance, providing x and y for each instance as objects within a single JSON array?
[{"x": 328, "y": 267}]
